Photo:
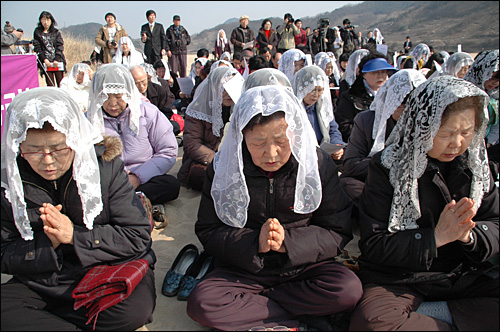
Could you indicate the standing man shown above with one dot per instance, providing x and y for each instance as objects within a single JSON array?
[
  {"x": 348, "y": 35},
  {"x": 108, "y": 36},
  {"x": 242, "y": 35},
  {"x": 287, "y": 32},
  {"x": 407, "y": 45},
  {"x": 301, "y": 38},
  {"x": 153, "y": 37},
  {"x": 177, "y": 41}
]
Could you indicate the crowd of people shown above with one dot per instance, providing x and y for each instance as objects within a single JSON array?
[{"x": 295, "y": 141}]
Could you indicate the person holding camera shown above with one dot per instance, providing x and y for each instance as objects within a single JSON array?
[
  {"x": 287, "y": 32},
  {"x": 108, "y": 36},
  {"x": 178, "y": 39},
  {"x": 9, "y": 38},
  {"x": 348, "y": 35}
]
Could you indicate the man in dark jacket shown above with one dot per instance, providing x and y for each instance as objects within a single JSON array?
[
  {"x": 158, "y": 94},
  {"x": 153, "y": 37},
  {"x": 242, "y": 35},
  {"x": 177, "y": 41},
  {"x": 348, "y": 36}
]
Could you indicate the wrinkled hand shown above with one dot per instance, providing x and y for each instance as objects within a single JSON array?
[
  {"x": 455, "y": 222},
  {"x": 163, "y": 52},
  {"x": 56, "y": 225},
  {"x": 337, "y": 155},
  {"x": 169, "y": 54},
  {"x": 18, "y": 33},
  {"x": 272, "y": 235}
]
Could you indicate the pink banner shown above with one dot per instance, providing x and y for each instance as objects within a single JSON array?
[{"x": 19, "y": 73}]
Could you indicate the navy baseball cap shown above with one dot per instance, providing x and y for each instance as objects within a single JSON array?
[{"x": 377, "y": 64}]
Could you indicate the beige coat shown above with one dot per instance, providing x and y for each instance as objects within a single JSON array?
[{"x": 102, "y": 38}]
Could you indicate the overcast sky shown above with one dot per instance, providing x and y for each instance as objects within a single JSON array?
[{"x": 195, "y": 15}]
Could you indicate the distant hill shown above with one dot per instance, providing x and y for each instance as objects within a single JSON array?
[{"x": 442, "y": 24}]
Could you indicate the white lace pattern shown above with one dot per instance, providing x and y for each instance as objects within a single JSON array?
[{"x": 406, "y": 149}]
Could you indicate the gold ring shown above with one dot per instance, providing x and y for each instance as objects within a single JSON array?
[
  {"x": 58, "y": 226},
  {"x": 450, "y": 209}
]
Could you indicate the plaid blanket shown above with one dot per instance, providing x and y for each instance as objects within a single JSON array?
[{"x": 104, "y": 286}]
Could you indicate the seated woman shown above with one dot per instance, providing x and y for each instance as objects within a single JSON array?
[
  {"x": 429, "y": 216},
  {"x": 372, "y": 128},
  {"x": 274, "y": 217},
  {"x": 291, "y": 62},
  {"x": 77, "y": 84},
  {"x": 458, "y": 64},
  {"x": 204, "y": 124},
  {"x": 352, "y": 70},
  {"x": 149, "y": 144},
  {"x": 420, "y": 55},
  {"x": 331, "y": 69},
  {"x": 310, "y": 85},
  {"x": 374, "y": 70},
  {"x": 126, "y": 54},
  {"x": 67, "y": 206}
]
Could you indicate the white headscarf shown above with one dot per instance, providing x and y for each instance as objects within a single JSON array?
[
  {"x": 31, "y": 109},
  {"x": 229, "y": 189},
  {"x": 352, "y": 65},
  {"x": 420, "y": 52},
  {"x": 192, "y": 74},
  {"x": 389, "y": 97},
  {"x": 225, "y": 56},
  {"x": 379, "y": 38},
  {"x": 304, "y": 81},
  {"x": 267, "y": 76},
  {"x": 319, "y": 56},
  {"x": 207, "y": 101},
  {"x": 167, "y": 70},
  {"x": 217, "y": 63},
  {"x": 287, "y": 62},
  {"x": 79, "y": 91},
  {"x": 223, "y": 41},
  {"x": 150, "y": 71},
  {"x": 336, "y": 73},
  {"x": 456, "y": 61},
  {"x": 134, "y": 58},
  {"x": 113, "y": 78},
  {"x": 482, "y": 70},
  {"x": 406, "y": 149}
]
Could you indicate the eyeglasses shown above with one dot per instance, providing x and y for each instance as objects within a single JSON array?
[{"x": 37, "y": 156}]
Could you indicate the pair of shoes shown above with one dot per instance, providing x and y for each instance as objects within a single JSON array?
[
  {"x": 202, "y": 265},
  {"x": 159, "y": 216},
  {"x": 186, "y": 257}
]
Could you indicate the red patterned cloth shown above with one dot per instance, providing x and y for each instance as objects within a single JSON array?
[{"x": 104, "y": 286}]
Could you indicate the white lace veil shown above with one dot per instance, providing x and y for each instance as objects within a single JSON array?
[
  {"x": 31, "y": 109},
  {"x": 229, "y": 189},
  {"x": 150, "y": 70},
  {"x": 336, "y": 73},
  {"x": 135, "y": 56},
  {"x": 225, "y": 56},
  {"x": 379, "y": 37},
  {"x": 319, "y": 56},
  {"x": 389, "y": 97},
  {"x": 420, "y": 52},
  {"x": 217, "y": 63},
  {"x": 78, "y": 67},
  {"x": 287, "y": 62},
  {"x": 207, "y": 101},
  {"x": 167, "y": 70},
  {"x": 115, "y": 79},
  {"x": 304, "y": 81},
  {"x": 456, "y": 61},
  {"x": 266, "y": 76},
  {"x": 406, "y": 149},
  {"x": 352, "y": 64},
  {"x": 485, "y": 64},
  {"x": 192, "y": 74}
]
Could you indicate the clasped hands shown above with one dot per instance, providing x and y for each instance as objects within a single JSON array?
[
  {"x": 56, "y": 225},
  {"x": 455, "y": 222},
  {"x": 272, "y": 235}
]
